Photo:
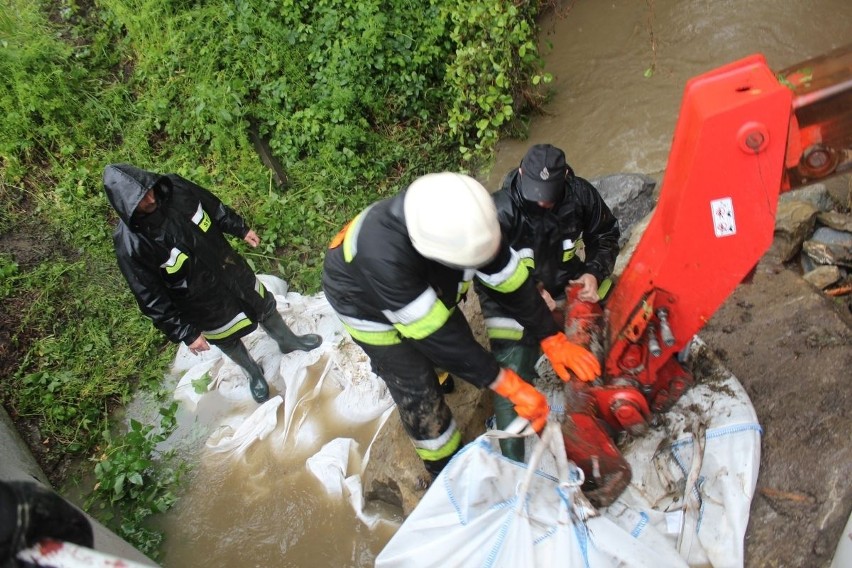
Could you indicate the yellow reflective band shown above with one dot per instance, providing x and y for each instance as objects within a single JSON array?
[
  {"x": 603, "y": 289},
  {"x": 444, "y": 451},
  {"x": 502, "y": 333},
  {"x": 503, "y": 328},
  {"x": 229, "y": 330},
  {"x": 527, "y": 258},
  {"x": 569, "y": 248},
  {"x": 513, "y": 282},
  {"x": 175, "y": 261},
  {"x": 424, "y": 327},
  {"x": 463, "y": 288},
  {"x": 379, "y": 338},
  {"x": 201, "y": 218},
  {"x": 259, "y": 288},
  {"x": 509, "y": 278}
]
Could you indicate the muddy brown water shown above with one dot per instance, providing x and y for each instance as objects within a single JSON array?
[{"x": 620, "y": 68}]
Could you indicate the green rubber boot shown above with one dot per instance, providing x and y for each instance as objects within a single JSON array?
[
  {"x": 236, "y": 350},
  {"x": 284, "y": 336},
  {"x": 521, "y": 359},
  {"x": 259, "y": 389}
]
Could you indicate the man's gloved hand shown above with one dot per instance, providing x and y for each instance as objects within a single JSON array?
[
  {"x": 529, "y": 403},
  {"x": 565, "y": 355}
]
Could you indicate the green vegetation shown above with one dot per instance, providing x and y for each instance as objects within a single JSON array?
[
  {"x": 354, "y": 97},
  {"x": 132, "y": 474}
]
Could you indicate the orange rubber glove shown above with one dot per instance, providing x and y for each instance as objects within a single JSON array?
[
  {"x": 529, "y": 403},
  {"x": 565, "y": 355}
]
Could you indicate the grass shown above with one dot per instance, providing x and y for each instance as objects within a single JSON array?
[{"x": 350, "y": 102}]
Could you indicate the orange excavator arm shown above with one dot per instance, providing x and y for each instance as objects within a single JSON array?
[
  {"x": 744, "y": 135},
  {"x": 820, "y": 140}
]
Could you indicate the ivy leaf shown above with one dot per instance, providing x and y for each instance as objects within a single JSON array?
[{"x": 200, "y": 384}]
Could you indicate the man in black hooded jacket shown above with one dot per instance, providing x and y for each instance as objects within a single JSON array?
[
  {"x": 547, "y": 214},
  {"x": 171, "y": 248}
]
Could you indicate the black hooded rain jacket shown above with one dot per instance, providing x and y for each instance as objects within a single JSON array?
[
  {"x": 547, "y": 239},
  {"x": 186, "y": 277}
]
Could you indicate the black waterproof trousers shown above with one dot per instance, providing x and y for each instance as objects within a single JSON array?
[{"x": 414, "y": 387}]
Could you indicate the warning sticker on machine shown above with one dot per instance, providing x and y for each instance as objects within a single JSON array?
[{"x": 724, "y": 224}]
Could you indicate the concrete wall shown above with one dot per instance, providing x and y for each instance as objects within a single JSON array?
[{"x": 18, "y": 464}]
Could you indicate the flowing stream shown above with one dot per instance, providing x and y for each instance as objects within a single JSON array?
[{"x": 619, "y": 71}]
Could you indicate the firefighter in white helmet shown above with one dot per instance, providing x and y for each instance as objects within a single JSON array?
[{"x": 395, "y": 275}]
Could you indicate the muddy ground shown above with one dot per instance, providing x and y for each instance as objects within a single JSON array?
[
  {"x": 791, "y": 348},
  {"x": 28, "y": 246}
]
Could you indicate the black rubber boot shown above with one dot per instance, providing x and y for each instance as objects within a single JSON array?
[
  {"x": 284, "y": 336},
  {"x": 237, "y": 351},
  {"x": 259, "y": 389}
]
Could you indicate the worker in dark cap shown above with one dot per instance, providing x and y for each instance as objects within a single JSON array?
[{"x": 565, "y": 234}]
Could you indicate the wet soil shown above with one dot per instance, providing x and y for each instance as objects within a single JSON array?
[
  {"x": 791, "y": 348},
  {"x": 28, "y": 246}
]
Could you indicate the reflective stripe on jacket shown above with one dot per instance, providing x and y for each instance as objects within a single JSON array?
[
  {"x": 183, "y": 272},
  {"x": 549, "y": 239},
  {"x": 386, "y": 292}
]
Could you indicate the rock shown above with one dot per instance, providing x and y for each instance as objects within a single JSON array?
[
  {"x": 828, "y": 246},
  {"x": 794, "y": 221},
  {"x": 824, "y": 254},
  {"x": 823, "y": 276},
  {"x": 630, "y": 197},
  {"x": 816, "y": 194},
  {"x": 807, "y": 264},
  {"x": 829, "y": 236},
  {"x": 840, "y": 191},
  {"x": 835, "y": 220},
  {"x": 627, "y": 250}
]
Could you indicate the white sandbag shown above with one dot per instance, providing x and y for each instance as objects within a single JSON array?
[
  {"x": 237, "y": 436},
  {"x": 363, "y": 401},
  {"x": 186, "y": 359},
  {"x": 274, "y": 284},
  {"x": 294, "y": 399},
  {"x": 694, "y": 476},
  {"x": 331, "y": 464},
  {"x": 186, "y": 392},
  {"x": 486, "y": 510}
]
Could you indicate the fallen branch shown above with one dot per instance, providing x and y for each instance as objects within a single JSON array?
[
  {"x": 841, "y": 291},
  {"x": 786, "y": 495}
]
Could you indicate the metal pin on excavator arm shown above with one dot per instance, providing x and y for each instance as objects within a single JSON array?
[{"x": 744, "y": 135}]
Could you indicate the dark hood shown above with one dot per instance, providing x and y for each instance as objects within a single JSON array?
[{"x": 125, "y": 185}]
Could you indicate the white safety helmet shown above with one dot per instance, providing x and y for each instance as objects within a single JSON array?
[{"x": 451, "y": 219}]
